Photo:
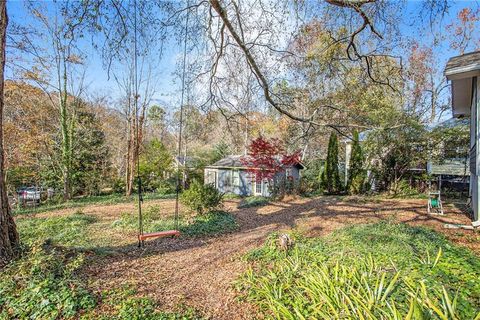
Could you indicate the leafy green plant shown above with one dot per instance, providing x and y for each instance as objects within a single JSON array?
[
  {"x": 202, "y": 198},
  {"x": 378, "y": 271},
  {"x": 42, "y": 285}
]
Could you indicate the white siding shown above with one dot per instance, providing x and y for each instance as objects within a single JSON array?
[{"x": 474, "y": 149}]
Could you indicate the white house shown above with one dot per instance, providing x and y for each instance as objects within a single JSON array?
[{"x": 464, "y": 73}]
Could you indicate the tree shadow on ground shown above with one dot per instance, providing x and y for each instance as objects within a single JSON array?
[
  {"x": 201, "y": 270},
  {"x": 255, "y": 223}
]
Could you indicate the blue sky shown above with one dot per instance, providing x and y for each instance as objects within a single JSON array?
[
  {"x": 167, "y": 88},
  {"x": 97, "y": 78}
]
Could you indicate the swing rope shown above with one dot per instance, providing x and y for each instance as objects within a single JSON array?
[
  {"x": 180, "y": 129},
  {"x": 141, "y": 235},
  {"x": 137, "y": 123}
]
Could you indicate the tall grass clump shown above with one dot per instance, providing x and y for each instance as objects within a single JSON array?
[{"x": 378, "y": 271}]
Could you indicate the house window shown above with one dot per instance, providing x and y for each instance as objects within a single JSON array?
[
  {"x": 236, "y": 178},
  {"x": 258, "y": 186},
  {"x": 228, "y": 178},
  {"x": 211, "y": 178},
  {"x": 288, "y": 173}
]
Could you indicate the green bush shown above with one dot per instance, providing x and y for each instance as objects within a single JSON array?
[
  {"x": 118, "y": 185},
  {"x": 202, "y": 198},
  {"x": 311, "y": 182},
  {"x": 42, "y": 285},
  {"x": 377, "y": 271}
]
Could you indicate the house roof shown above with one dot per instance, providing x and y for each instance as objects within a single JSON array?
[
  {"x": 464, "y": 63},
  {"x": 460, "y": 71},
  {"x": 450, "y": 123},
  {"x": 235, "y": 161},
  {"x": 450, "y": 167}
]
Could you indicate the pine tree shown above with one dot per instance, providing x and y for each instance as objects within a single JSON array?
[
  {"x": 332, "y": 176},
  {"x": 356, "y": 175}
]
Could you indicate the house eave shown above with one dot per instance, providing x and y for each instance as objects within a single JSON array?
[
  {"x": 247, "y": 168},
  {"x": 463, "y": 72}
]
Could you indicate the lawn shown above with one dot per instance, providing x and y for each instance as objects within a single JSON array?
[{"x": 349, "y": 255}]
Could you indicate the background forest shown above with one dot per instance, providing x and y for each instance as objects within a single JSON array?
[{"x": 63, "y": 132}]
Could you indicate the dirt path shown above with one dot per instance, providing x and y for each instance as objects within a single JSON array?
[{"x": 200, "y": 272}]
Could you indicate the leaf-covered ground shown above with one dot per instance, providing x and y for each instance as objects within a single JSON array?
[{"x": 198, "y": 271}]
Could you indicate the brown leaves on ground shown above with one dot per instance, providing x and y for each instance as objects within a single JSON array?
[{"x": 199, "y": 272}]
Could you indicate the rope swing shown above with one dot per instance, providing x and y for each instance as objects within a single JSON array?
[{"x": 175, "y": 232}]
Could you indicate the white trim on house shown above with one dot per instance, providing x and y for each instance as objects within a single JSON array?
[
  {"x": 466, "y": 102},
  {"x": 462, "y": 72}
]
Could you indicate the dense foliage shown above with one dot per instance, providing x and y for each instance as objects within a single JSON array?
[
  {"x": 267, "y": 157},
  {"x": 156, "y": 168},
  {"x": 383, "y": 270},
  {"x": 69, "y": 230},
  {"x": 331, "y": 176},
  {"x": 253, "y": 201},
  {"x": 43, "y": 285},
  {"x": 202, "y": 198},
  {"x": 357, "y": 172}
]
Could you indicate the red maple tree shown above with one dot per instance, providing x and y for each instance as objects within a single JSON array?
[{"x": 266, "y": 157}]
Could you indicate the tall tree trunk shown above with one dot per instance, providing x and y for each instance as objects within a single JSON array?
[
  {"x": 132, "y": 146},
  {"x": 8, "y": 230},
  {"x": 128, "y": 170},
  {"x": 65, "y": 125}
]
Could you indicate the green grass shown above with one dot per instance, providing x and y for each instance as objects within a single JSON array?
[
  {"x": 71, "y": 230},
  {"x": 377, "y": 271},
  {"x": 86, "y": 201},
  {"x": 253, "y": 201},
  {"x": 208, "y": 224}
]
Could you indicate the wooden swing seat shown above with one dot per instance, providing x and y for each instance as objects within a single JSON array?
[{"x": 161, "y": 234}]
